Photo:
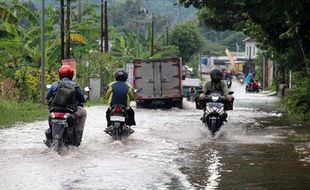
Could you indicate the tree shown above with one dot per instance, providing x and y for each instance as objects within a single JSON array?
[
  {"x": 188, "y": 38},
  {"x": 278, "y": 25}
]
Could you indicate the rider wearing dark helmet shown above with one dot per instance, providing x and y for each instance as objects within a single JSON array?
[
  {"x": 66, "y": 95},
  {"x": 120, "y": 92},
  {"x": 217, "y": 85}
]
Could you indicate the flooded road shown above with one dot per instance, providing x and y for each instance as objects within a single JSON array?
[{"x": 256, "y": 149}]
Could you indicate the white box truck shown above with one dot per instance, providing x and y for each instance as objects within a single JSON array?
[{"x": 158, "y": 82}]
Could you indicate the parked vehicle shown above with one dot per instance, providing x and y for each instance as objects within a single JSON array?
[
  {"x": 158, "y": 83},
  {"x": 119, "y": 129}
]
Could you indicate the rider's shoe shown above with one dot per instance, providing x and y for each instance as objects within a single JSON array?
[
  {"x": 225, "y": 117},
  {"x": 130, "y": 130},
  {"x": 108, "y": 130},
  {"x": 48, "y": 142},
  {"x": 202, "y": 119}
]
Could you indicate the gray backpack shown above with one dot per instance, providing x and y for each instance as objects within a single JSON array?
[{"x": 64, "y": 96}]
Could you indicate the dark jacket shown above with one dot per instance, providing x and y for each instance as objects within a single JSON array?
[{"x": 120, "y": 93}]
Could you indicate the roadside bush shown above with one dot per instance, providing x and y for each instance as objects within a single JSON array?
[
  {"x": 29, "y": 81},
  {"x": 297, "y": 101},
  {"x": 98, "y": 64}
]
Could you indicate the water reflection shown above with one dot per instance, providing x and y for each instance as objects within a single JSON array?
[
  {"x": 214, "y": 168},
  {"x": 203, "y": 166}
]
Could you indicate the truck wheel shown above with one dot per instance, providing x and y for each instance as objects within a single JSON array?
[
  {"x": 180, "y": 105},
  {"x": 138, "y": 105}
]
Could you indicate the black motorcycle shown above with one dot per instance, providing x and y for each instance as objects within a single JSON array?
[
  {"x": 63, "y": 126},
  {"x": 228, "y": 82},
  {"x": 118, "y": 129},
  {"x": 215, "y": 114}
]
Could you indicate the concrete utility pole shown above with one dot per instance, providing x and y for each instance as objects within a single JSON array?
[
  {"x": 101, "y": 28},
  {"x": 68, "y": 29},
  {"x": 166, "y": 29},
  {"x": 104, "y": 42},
  {"x": 43, "y": 51},
  {"x": 79, "y": 14},
  {"x": 152, "y": 35},
  {"x": 62, "y": 29},
  {"x": 106, "y": 36}
]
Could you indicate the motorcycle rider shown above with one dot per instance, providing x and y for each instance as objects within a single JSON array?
[
  {"x": 120, "y": 92},
  {"x": 191, "y": 93},
  {"x": 60, "y": 100},
  {"x": 216, "y": 85}
]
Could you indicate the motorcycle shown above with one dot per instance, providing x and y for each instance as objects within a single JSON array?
[
  {"x": 215, "y": 114},
  {"x": 118, "y": 129},
  {"x": 240, "y": 78},
  {"x": 253, "y": 87},
  {"x": 63, "y": 125},
  {"x": 228, "y": 82}
]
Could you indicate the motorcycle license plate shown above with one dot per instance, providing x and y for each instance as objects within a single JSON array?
[
  {"x": 118, "y": 118},
  {"x": 59, "y": 122}
]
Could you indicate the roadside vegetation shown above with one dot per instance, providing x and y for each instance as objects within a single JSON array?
[
  {"x": 176, "y": 33},
  {"x": 14, "y": 111},
  {"x": 283, "y": 37}
]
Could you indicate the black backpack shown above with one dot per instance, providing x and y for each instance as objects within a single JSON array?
[{"x": 64, "y": 96}]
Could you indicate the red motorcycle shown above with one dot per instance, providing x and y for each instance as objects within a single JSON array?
[{"x": 253, "y": 87}]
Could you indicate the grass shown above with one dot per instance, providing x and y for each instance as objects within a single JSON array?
[
  {"x": 14, "y": 111},
  {"x": 96, "y": 102}
]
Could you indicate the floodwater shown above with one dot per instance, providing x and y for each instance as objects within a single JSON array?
[{"x": 170, "y": 149}]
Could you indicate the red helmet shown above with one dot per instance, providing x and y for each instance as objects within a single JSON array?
[{"x": 65, "y": 71}]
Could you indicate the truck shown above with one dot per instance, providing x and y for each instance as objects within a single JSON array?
[{"x": 158, "y": 83}]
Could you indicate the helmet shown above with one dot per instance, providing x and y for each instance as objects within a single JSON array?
[
  {"x": 216, "y": 75},
  {"x": 65, "y": 71},
  {"x": 121, "y": 75}
]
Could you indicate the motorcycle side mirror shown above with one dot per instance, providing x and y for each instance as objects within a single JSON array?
[
  {"x": 137, "y": 90},
  {"x": 230, "y": 92},
  {"x": 48, "y": 86},
  {"x": 86, "y": 89}
]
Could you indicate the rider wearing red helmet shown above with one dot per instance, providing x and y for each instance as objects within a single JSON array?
[{"x": 66, "y": 95}]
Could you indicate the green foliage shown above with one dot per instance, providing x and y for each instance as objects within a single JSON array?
[
  {"x": 28, "y": 82},
  {"x": 167, "y": 51},
  {"x": 98, "y": 64},
  {"x": 188, "y": 38},
  {"x": 259, "y": 67},
  {"x": 13, "y": 111},
  {"x": 278, "y": 32},
  {"x": 212, "y": 48},
  {"x": 297, "y": 102}
]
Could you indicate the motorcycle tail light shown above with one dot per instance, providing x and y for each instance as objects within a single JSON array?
[
  {"x": 59, "y": 115},
  {"x": 118, "y": 110}
]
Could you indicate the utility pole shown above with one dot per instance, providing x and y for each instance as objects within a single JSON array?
[
  {"x": 101, "y": 28},
  {"x": 79, "y": 14},
  {"x": 167, "y": 30},
  {"x": 152, "y": 36},
  {"x": 68, "y": 29},
  {"x": 43, "y": 51},
  {"x": 106, "y": 38},
  {"x": 104, "y": 42},
  {"x": 62, "y": 29}
]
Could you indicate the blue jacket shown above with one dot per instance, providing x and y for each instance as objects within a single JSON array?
[{"x": 78, "y": 100}]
